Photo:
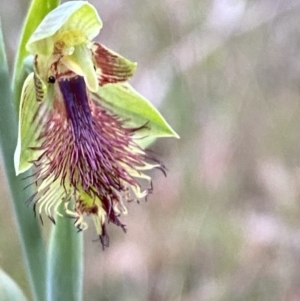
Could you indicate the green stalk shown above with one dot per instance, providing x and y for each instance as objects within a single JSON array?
[
  {"x": 27, "y": 226},
  {"x": 65, "y": 262}
]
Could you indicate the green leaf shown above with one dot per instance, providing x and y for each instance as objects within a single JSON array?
[
  {"x": 127, "y": 103},
  {"x": 65, "y": 262},
  {"x": 28, "y": 228},
  {"x": 36, "y": 13},
  {"x": 9, "y": 290}
]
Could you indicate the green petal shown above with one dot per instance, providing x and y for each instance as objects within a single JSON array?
[
  {"x": 110, "y": 66},
  {"x": 127, "y": 103},
  {"x": 33, "y": 94},
  {"x": 78, "y": 16},
  {"x": 80, "y": 62}
]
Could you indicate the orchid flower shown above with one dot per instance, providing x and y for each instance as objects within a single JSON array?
[{"x": 81, "y": 124}]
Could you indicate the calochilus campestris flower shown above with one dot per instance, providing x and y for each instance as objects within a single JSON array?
[{"x": 81, "y": 123}]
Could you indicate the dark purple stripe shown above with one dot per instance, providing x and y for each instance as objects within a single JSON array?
[{"x": 75, "y": 98}]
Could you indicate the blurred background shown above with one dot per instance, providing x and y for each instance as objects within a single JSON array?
[{"x": 225, "y": 223}]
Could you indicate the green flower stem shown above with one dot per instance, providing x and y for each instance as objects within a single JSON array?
[
  {"x": 65, "y": 262},
  {"x": 27, "y": 226},
  {"x": 36, "y": 13}
]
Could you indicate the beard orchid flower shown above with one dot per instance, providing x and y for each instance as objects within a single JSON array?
[{"x": 81, "y": 124}]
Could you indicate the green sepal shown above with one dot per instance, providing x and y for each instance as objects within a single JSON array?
[
  {"x": 124, "y": 101},
  {"x": 9, "y": 290},
  {"x": 71, "y": 16},
  {"x": 33, "y": 94}
]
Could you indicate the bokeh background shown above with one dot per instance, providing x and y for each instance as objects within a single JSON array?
[{"x": 225, "y": 223}]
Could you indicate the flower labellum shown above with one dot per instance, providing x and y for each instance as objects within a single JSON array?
[{"x": 81, "y": 124}]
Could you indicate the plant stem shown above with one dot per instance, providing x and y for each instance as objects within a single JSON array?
[{"x": 65, "y": 262}]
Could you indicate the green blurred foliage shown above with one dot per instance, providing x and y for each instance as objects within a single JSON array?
[{"x": 224, "y": 224}]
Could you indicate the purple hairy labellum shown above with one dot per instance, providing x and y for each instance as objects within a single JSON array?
[{"x": 90, "y": 151}]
